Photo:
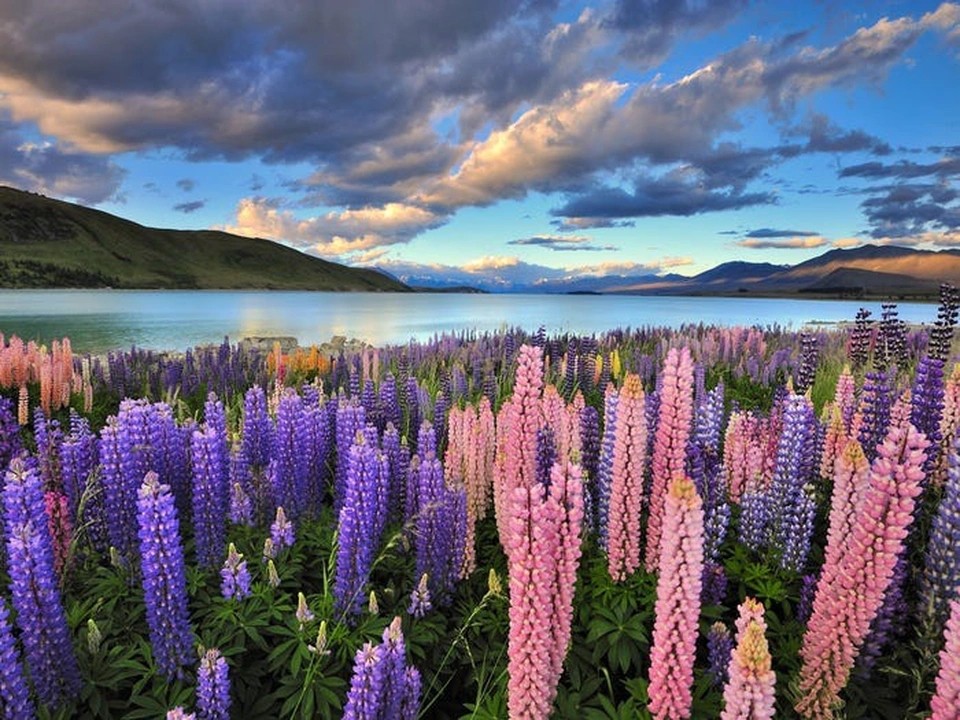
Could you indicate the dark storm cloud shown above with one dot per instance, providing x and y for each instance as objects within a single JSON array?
[
  {"x": 49, "y": 168},
  {"x": 190, "y": 207}
]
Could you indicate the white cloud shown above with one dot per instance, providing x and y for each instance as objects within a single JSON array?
[{"x": 334, "y": 233}]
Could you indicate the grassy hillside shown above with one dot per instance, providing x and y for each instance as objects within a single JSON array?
[{"x": 49, "y": 243}]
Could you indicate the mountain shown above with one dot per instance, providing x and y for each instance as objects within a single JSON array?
[
  {"x": 928, "y": 266},
  {"x": 736, "y": 272},
  {"x": 50, "y": 243}
]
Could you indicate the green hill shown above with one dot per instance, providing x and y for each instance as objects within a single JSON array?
[{"x": 49, "y": 243}]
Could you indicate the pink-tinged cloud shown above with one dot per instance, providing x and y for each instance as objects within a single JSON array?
[
  {"x": 334, "y": 233},
  {"x": 794, "y": 243}
]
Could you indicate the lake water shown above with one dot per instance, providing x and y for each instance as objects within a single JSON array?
[{"x": 100, "y": 320}]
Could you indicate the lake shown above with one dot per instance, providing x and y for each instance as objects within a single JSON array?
[{"x": 100, "y": 320}]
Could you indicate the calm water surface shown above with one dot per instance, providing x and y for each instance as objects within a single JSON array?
[{"x": 100, "y": 320}]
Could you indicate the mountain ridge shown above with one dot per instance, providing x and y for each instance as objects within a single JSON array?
[{"x": 46, "y": 242}]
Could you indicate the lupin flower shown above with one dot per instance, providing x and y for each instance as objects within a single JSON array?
[
  {"x": 61, "y": 529},
  {"x": 439, "y": 529},
  {"x": 78, "y": 457},
  {"x": 373, "y": 607},
  {"x": 755, "y": 513},
  {"x": 359, "y": 526},
  {"x": 234, "y": 576},
  {"x": 808, "y": 589},
  {"x": 257, "y": 430},
  {"x": 9, "y": 433},
  {"x": 670, "y": 442},
  {"x": 319, "y": 646},
  {"x": 678, "y": 602},
  {"x": 241, "y": 507},
  {"x": 164, "y": 578},
  {"x": 210, "y": 496},
  {"x": 719, "y": 647},
  {"x": 291, "y": 462},
  {"x": 273, "y": 579},
  {"x": 941, "y": 568},
  {"x": 946, "y": 699},
  {"x": 14, "y": 694},
  {"x": 420, "y": 598},
  {"x": 809, "y": 356},
  {"x": 792, "y": 508},
  {"x": 94, "y": 637},
  {"x": 33, "y": 589},
  {"x": 269, "y": 549},
  {"x": 749, "y": 695},
  {"x": 605, "y": 467},
  {"x": 213, "y": 687},
  {"x": 281, "y": 531},
  {"x": 843, "y": 611},
  {"x": 364, "y": 697},
  {"x": 519, "y": 421},
  {"x": 383, "y": 687},
  {"x": 626, "y": 491},
  {"x": 544, "y": 547},
  {"x": 178, "y": 713},
  {"x": 304, "y": 614}
]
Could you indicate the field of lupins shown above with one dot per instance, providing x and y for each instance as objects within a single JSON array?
[{"x": 702, "y": 522}]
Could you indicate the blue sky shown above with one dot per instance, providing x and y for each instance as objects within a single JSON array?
[{"x": 508, "y": 140}]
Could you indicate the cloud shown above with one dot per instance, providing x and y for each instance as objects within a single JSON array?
[
  {"x": 562, "y": 243},
  {"x": 186, "y": 184},
  {"x": 679, "y": 192},
  {"x": 929, "y": 239},
  {"x": 773, "y": 233},
  {"x": 431, "y": 107},
  {"x": 573, "y": 224},
  {"x": 945, "y": 167},
  {"x": 507, "y": 272},
  {"x": 651, "y": 26},
  {"x": 190, "y": 207},
  {"x": 334, "y": 233},
  {"x": 541, "y": 150},
  {"x": 911, "y": 209},
  {"x": 823, "y": 136},
  {"x": 48, "y": 167},
  {"x": 218, "y": 79},
  {"x": 847, "y": 243},
  {"x": 794, "y": 243}
]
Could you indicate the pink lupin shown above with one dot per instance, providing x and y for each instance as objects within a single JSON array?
[
  {"x": 544, "y": 537},
  {"x": 678, "y": 603},
  {"x": 626, "y": 487},
  {"x": 670, "y": 444},
  {"x": 749, "y": 694},
  {"x": 844, "y": 609},
  {"x": 946, "y": 700},
  {"x": 520, "y": 419}
]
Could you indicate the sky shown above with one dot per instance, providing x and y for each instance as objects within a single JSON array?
[{"x": 509, "y": 141}]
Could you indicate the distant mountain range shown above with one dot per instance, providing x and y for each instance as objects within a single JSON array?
[
  {"x": 49, "y": 243},
  {"x": 868, "y": 271}
]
